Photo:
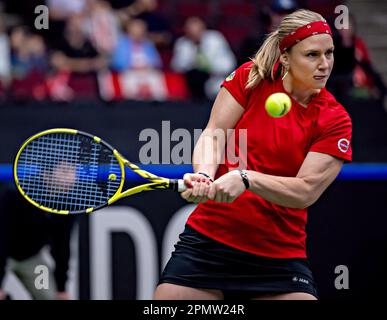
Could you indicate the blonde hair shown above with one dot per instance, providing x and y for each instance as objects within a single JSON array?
[{"x": 268, "y": 54}]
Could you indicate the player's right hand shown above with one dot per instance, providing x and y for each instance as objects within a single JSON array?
[
  {"x": 198, "y": 187},
  {"x": 3, "y": 296}
]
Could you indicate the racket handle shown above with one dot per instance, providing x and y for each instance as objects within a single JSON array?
[{"x": 177, "y": 185}]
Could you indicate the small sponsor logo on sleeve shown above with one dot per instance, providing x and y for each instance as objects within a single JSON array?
[
  {"x": 343, "y": 145},
  {"x": 230, "y": 76}
]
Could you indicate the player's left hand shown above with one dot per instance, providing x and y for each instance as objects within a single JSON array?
[{"x": 227, "y": 188}]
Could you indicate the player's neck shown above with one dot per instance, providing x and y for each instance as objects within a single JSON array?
[{"x": 299, "y": 92}]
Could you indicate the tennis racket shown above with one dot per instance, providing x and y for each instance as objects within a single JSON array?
[{"x": 67, "y": 171}]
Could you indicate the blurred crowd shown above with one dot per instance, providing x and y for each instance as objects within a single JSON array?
[
  {"x": 132, "y": 49},
  {"x": 109, "y": 49}
]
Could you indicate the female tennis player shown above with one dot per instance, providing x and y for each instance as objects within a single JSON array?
[{"x": 247, "y": 237}]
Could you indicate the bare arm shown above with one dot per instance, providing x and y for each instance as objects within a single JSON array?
[
  {"x": 316, "y": 173},
  {"x": 209, "y": 148}
]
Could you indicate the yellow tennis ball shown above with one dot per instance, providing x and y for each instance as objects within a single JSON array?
[{"x": 278, "y": 104}]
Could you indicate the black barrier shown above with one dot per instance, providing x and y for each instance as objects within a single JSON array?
[{"x": 121, "y": 124}]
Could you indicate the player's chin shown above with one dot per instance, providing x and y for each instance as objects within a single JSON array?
[
  {"x": 317, "y": 86},
  {"x": 319, "y": 83}
]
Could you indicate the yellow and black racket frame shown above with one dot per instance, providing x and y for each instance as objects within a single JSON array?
[{"x": 155, "y": 182}]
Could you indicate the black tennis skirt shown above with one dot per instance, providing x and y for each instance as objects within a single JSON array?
[{"x": 201, "y": 262}]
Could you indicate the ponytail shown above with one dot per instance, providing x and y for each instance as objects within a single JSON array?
[
  {"x": 268, "y": 54},
  {"x": 264, "y": 60}
]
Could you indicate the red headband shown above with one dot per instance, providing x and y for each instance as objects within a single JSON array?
[{"x": 303, "y": 32}]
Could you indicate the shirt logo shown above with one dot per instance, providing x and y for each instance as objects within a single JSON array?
[
  {"x": 343, "y": 145},
  {"x": 231, "y": 76}
]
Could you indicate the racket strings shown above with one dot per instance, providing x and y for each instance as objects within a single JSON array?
[{"x": 63, "y": 171}]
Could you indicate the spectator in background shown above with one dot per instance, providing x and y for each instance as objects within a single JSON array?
[
  {"x": 28, "y": 64},
  {"x": 270, "y": 17},
  {"x": 76, "y": 53},
  {"x": 159, "y": 30},
  {"x": 138, "y": 63},
  {"x": 204, "y": 56},
  {"x": 28, "y": 53},
  {"x": 60, "y": 11},
  {"x": 5, "y": 58},
  {"x": 102, "y": 26},
  {"x": 134, "y": 49},
  {"x": 354, "y": 73},
  {"x": 75, "y": 56},
  {"x": 24, "y": 232}
]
